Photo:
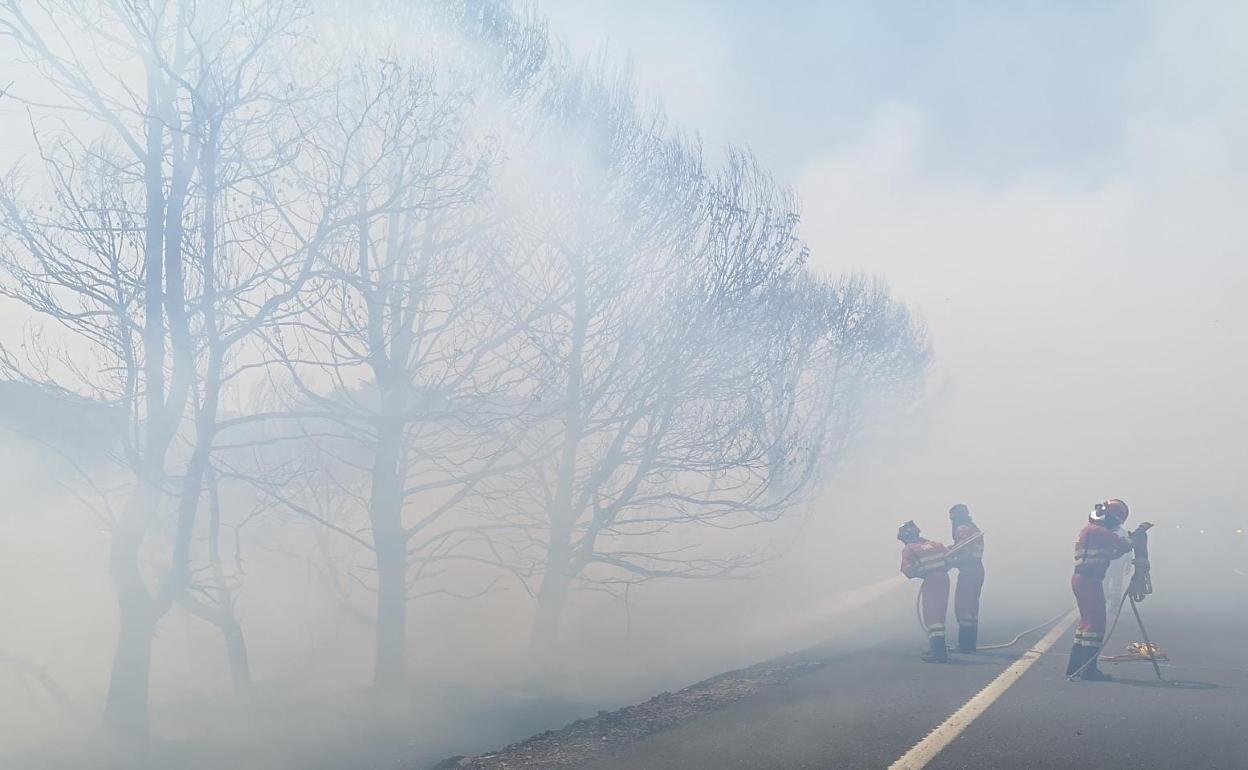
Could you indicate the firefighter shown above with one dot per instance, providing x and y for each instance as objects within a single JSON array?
[
  {"x": 926, "y": 559},
  {"x": 1095, "y": 549},
  {"x": 967, "y": 556}
]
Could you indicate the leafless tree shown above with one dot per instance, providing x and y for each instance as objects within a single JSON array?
[
  {"x": 683, "y": 372},
  {"x": 391, "y": 356},
  {"x": 635, "y": 260},
  {"x": 458, "y": 303},
  {"x": 165, "y": 239}
]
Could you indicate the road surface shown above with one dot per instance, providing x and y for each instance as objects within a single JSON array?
[
  {"x": 867, "y": 709},
  {"x": 872, "y": 702}
]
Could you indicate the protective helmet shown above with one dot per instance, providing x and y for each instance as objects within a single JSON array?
[
  {"x": 960, "y": 511},
  {"x": 908, "y": 532},
  {"x": 1112, "y": 512}
]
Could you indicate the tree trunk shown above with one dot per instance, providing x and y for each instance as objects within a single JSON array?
[
  {"x": 553, "y": 593},
  {"x": 390, "y": 666},
  {"x": 125, "y": 708},
  {"x": 551, "y": 598},
  {"x": 236, "y": 652},
  {"x": 557, "y": 576},
  {"x": 390, "y": 543}
]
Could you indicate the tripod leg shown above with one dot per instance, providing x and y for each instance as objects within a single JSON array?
[{"x": 1144, "y": 633}]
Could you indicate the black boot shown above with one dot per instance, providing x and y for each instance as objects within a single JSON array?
[
  {"x": 939, "y": 652},
  {"x": 1092, "y": 673},
  {"x": 967, "y": 638},
  {"x": 1077, "y": 657}
]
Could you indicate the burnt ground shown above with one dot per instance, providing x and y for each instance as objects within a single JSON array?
[{"x": 610, "y": 731}]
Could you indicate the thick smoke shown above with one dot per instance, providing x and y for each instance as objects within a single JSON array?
[{"x": 381, "y": 372}]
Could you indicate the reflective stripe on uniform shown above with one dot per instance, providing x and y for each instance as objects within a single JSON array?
[
  {"x": 1094, "y": 553},
  {"x": 927, "y": 563}
]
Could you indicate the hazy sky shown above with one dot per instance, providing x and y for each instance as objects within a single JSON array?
[
  {"x": 1059, "y": 187},
  {"x": 1006, "y": 87}
]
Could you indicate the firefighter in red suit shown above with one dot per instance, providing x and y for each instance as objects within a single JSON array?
[
  {"x": 928, "y": 560},
  {"x": 967, "y": 556},
  {"x": 1096, "y": 547}
]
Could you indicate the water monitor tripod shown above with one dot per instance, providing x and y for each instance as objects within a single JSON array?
[{"x": 1141, "y": 586}]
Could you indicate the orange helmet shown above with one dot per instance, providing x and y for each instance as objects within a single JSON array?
[{"x": 1112, "y": 509}]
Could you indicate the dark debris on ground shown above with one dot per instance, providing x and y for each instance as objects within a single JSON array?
[{"x": 585, "y": 739}]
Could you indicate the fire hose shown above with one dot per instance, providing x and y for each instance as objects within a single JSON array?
[
  {"x": 918, "y": 611},
  {"x": 918, "y": 607}
]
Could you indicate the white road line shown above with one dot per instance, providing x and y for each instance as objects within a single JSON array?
[
  {"x": 1239, "y": 572},
  {"x": 927, "y": 749}
]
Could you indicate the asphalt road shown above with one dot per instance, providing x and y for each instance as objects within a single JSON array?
[{"x": 868, "y": 707}]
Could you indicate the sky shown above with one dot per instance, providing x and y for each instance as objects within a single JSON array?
[{"x": 1057, "y": 188}]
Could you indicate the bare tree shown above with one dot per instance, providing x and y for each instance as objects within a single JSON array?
[
  {"x": 681, "y": 368},
  {"x": 165, "y": 243},
  {"x": 391, "y": 358},
  {"x": 462, "y": 306},
  {"x": 379, "y": 347},
  {"x": 636, "y": 259}
]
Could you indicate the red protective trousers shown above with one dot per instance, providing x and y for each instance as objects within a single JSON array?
[
  {"x": 1090, "y": 596},
  {"x": 966, "y": 595},
  {"x": 935, "y": 602}
]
